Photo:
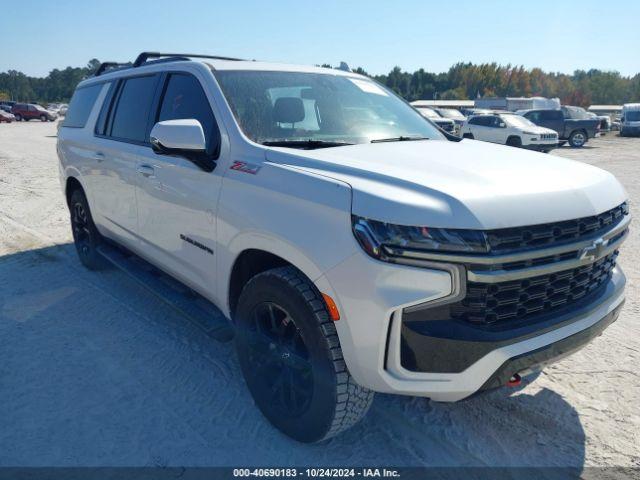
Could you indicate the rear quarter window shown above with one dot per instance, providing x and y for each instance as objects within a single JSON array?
[{"x": 80, "y": 106}]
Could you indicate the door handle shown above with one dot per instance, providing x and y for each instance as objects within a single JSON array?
[
  {"x": 99, "y": 156},
  {"x": 146, "y": 171}
]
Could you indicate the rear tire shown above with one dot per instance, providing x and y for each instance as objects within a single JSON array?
[
  {"x": 85, "y": 234},
  {"x": 578, "y": 138},
  {"x": 43, "y": 118},
  {"x": 290, "y": 356}
]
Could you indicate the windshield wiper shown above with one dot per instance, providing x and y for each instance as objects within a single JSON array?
[
  {"x": 398, "y": 139},
  {"x": 309, "y": 144}
]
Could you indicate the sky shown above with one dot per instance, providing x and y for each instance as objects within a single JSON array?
[{"x": 560, "y": 35}]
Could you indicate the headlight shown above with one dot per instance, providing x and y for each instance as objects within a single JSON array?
[
  {"x": 379, "y": 239},
  {"x": 529, "y": 133}
]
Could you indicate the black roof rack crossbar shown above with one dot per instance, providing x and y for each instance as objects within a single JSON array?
[
  {"x": 105, "y": 65},
  {"x": 144, "y": 56}
]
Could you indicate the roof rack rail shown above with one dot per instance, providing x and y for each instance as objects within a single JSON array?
[
  {"x": 105, "y": 65},
  {"x": 144, "y": 56}
]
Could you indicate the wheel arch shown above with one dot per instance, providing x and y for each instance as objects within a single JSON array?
[
  {"x": 580, "y": 129},
  {"x": 71, "y": 185},
  {"x": 257, "y": 255},
  {"x": 514, "y": 138},
  {"x": 248, "y": 264}
]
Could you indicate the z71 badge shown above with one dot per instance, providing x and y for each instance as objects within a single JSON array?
[{"x": 245, "y": 167}]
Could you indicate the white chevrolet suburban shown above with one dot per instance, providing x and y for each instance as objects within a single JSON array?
[{"x": 354, "y": 247}]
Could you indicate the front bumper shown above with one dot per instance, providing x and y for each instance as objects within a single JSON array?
[
  {"x": 541, "y": 147},
  {"x": 374, "y": 296},
  {"x": 429, "y": 345},
  {"x": 538, "y": 359}
]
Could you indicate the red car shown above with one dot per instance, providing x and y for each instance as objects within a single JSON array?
[
  {"x": 6, "y": 117},
  {"x": 29, "y": 111}
]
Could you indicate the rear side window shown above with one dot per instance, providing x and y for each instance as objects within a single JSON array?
[
  {"x": 551, "y": 115},
  {"x": 81, "y": 105},
  {"x": 184, "y": 98},
  {"x": 482, "y": 120},
  {"x": 132, "y": 110}
]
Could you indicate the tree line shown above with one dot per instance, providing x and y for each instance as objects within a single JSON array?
[
  {"x": 469, "y": 81},
  {"x": 462, "y": 81}
]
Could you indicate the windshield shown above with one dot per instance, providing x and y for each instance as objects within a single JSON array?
[
  {"x": 518, "y": 121},
  {"x": 632, "y": 116},
  {"x": 289, "y": 107},
  {"x": 451, "y": 113}
]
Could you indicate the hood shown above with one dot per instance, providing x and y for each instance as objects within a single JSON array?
[
  {"x": 467, "y": 184},
  {"x": 539, "y": 130}
]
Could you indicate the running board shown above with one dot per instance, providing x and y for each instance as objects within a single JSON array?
[{"x": 191, "y": 305}]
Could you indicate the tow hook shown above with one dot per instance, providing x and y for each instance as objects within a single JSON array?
[{"x": 515, "y": 380}]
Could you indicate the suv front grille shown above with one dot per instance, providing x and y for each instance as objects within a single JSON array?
[
  {"x": 551, "y": 234},
  {"x": 489, "y": 303}
]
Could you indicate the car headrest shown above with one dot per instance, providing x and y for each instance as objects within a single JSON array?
[{"x": 288, "y": 110}]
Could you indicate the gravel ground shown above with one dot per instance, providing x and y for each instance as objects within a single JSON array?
[{"x": 95, "y": 372}]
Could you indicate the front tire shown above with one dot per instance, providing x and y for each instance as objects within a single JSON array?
[
  {"x": 577, "y": 139},
  {"x": 291, "y": 358},
  {"x": 514, "y": 142},
  {"x": 43, "y": 118},
  {"x": 18, "y": 118},
  {"x": 85, "y": 234}
]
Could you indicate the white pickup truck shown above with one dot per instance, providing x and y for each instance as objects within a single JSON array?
[{"x": 352, "y": 245}]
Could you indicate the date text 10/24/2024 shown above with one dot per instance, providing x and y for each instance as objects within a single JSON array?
[{"x": 317, "y": 472}]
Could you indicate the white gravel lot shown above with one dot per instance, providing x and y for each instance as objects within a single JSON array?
[{"x": 94, "y": 371}]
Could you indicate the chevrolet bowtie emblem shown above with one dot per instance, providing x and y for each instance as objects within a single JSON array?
[{"x": 593, "y": 251}]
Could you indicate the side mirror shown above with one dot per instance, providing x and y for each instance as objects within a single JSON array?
[
  {"x": 183, "y": 138},
  {"x": 502, "y": 125}
]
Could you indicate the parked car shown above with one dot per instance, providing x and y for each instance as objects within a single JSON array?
[
  {"x": 6, "y": 117},
  {"x": 611, "y": 112},
  {"x": 605, "y": 123},
  {"x": 58, "y": 108},
  {"x": 445, "y": 124},
  {"x": 630, "y": 119},
  {"x": 470, "y": 112},
  {"x": 5, "y": 108},
  {"x": 570, "y": 124},
  {"x": 348, "y": 257},
  {"x": 510, "y": 129},
  {"x": 30, "y": 111},
  {"x": 454, "y": 115}
]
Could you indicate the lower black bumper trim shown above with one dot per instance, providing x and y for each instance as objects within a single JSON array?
[
  {"x": 541, "y": 147},
  {"x": 537, "y": 359},
  {"x": 432, "y": 342}
]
